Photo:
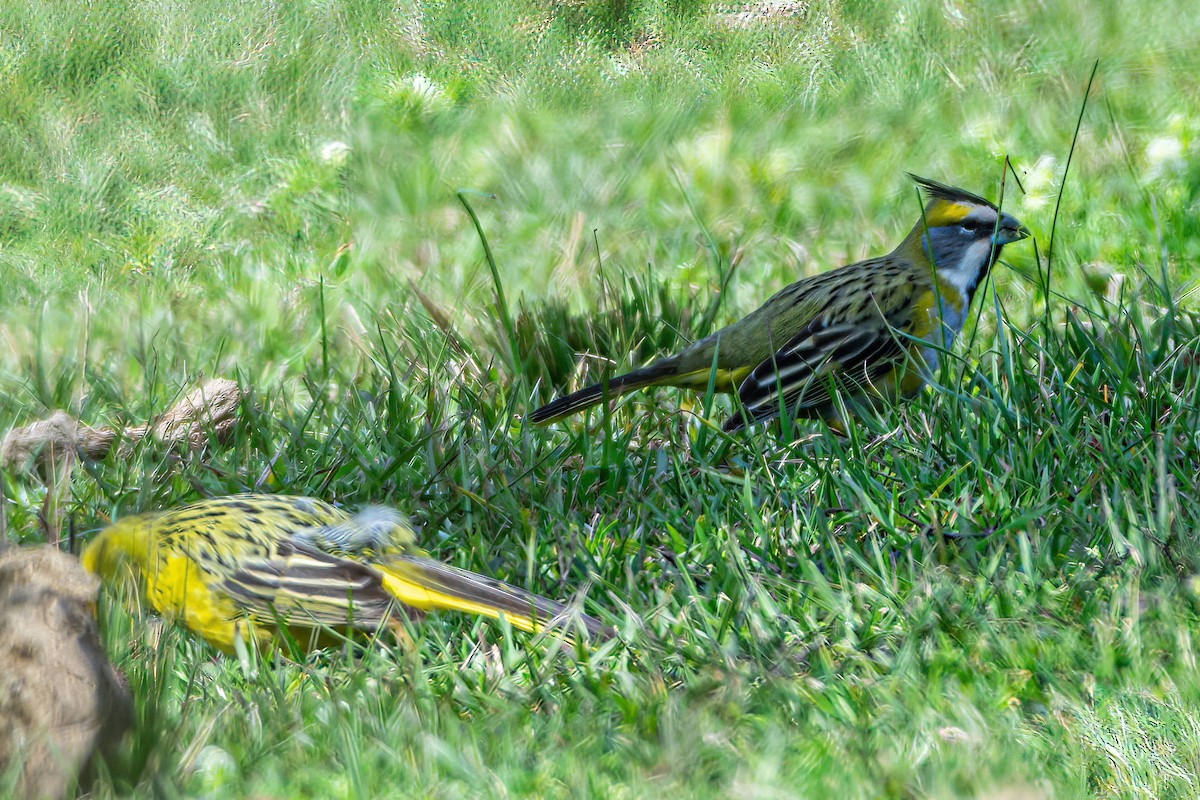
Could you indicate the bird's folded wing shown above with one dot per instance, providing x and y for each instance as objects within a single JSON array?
[
  {"x": 305, "y": 586},
  {"x": 847, "y": 356}
]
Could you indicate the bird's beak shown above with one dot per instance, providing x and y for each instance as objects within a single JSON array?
[{"x": 1010, "y": 230}]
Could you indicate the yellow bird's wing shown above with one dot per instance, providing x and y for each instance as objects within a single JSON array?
[
  {"x": 307, "y": 587},
  {"x": 799, "y": 376},
  {"x": 355, "y": 571}
]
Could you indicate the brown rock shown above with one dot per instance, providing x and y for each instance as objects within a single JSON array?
[{"x": 60, "y": 699}]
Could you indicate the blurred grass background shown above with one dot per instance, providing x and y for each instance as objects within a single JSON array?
[{"x": 990, "y": 590}]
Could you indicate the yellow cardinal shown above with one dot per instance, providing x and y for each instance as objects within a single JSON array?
[
  {"x": 874, "y": 328},
  {"x": 236, "y": 567}
]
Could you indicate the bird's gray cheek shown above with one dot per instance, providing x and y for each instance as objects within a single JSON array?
[{"x": 928, "y": 246}]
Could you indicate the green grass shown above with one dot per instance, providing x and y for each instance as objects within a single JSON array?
[{"x": 993, "y": 588}]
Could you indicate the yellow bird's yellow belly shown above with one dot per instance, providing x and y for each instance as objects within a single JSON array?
[
  {"x": 180, "y": 591},
  {"x": 938, "y": 319}
]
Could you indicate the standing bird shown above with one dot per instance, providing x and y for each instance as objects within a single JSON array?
[
  {"x": 874, "y": 327},
  {"x": 237, "y": 567}
]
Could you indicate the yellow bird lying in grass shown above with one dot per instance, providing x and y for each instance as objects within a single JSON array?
[{"x": 239, "y": 567}]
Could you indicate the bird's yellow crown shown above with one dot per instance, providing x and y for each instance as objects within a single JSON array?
[{"x": 948, "y": 205}]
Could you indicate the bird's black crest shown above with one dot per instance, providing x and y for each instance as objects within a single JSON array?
[{"x": 949, "y": 193}]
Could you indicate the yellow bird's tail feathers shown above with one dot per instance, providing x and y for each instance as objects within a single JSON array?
[
  {"x": 591, "y": 395},
  {"x": 425, "y": 584}
]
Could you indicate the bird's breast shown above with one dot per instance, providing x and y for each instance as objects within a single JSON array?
[
  {"x": 181, "y": 590},
  {"x": 939, "y": 315}
]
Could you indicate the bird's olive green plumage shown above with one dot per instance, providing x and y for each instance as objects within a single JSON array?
[
  {"x": 874, "y": 327},
  {"x": 242, "y": 567}
]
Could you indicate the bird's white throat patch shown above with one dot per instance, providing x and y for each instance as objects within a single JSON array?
[{"x": 964, "y": 275}]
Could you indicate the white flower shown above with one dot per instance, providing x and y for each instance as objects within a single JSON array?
[
  {"x": 1038, "y": 181},
  {"x": 214, "y": 767},
  {"x": 424, "y": 92},
  {"x": 1164, "y": 154},
  {"x": 334, "y": 153}
]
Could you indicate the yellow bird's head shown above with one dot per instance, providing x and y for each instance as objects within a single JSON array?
[
  {"x": 121, "y": 549},
  {"x": 960, "y": 234}
]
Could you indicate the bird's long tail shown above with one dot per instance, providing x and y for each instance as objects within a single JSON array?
[
  {"x": 659, "y": 372},
  {"x": 430, "y": 585}
]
